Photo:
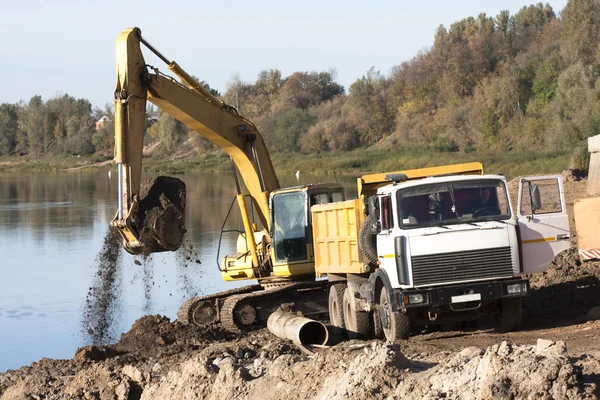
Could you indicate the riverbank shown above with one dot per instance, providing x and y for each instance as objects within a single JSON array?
[{"x": 355, "y": 162}]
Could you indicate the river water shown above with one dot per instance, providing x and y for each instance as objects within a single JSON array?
[{"x": 52, "y": 227}]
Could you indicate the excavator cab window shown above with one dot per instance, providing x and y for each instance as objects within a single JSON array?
[{"x": 290, "y": 226}]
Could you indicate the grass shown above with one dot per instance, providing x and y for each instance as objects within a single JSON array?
[{"x": 356, "y": 162}]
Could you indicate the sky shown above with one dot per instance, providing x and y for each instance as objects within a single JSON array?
[{"x": 55, "y": 47}]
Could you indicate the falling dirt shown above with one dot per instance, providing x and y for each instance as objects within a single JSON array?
[
  {"x": 148, "y": 281},
  {"x": 187, "y": 263},
  {"x": 101, "y": 305}
]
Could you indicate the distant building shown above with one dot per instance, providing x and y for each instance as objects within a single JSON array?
[{"x": 100, "y": 123}]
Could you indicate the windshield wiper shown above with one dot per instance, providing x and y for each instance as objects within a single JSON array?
[
  {"x": 491, "y": 219},
  {"x": 441, "y": 225},
  {"x": 470, "y": 223}
]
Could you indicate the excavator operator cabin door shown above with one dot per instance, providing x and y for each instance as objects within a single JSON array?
[{"x": 543, "y": 221}]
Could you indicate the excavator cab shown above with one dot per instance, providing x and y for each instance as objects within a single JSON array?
[
  {"x": 291, "y": 224},
  {"x": 289, "y": 238}
]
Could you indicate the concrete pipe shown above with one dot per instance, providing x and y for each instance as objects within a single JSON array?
[{"x": 302, "y": 331}]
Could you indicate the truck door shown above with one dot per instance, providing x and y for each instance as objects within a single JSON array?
[
  {"x": 385, "y": 239},
  {"x": 543, "y": 221}
]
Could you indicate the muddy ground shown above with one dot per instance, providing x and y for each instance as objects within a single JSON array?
[{"x": 556, "y": 355}]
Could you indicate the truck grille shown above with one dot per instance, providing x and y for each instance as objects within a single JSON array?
[{"x": 462, "y": 266}]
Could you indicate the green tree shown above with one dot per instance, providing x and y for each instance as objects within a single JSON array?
[
  {"x": 8, "y": 128},
  {"x": 169, "y": 131},
  {"x": 581, "y": 30},
  {"x": 283, "y": 130},
  {"x": 368, "y": 108}
]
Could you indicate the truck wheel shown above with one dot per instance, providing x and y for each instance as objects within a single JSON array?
[
  {"x": 511, "y": 315},
  {"x": 336, "y": 305},
  {"x": 357, "y": 322},
  {"x": 376, "y": 324},
  {"x": 367, "y": 242},
  {"x": 395, "y": 324}
]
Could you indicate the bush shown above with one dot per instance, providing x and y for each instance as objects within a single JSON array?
[
  {"x": 580, "y": 160},
  {"x": 80, "y": 143},
  {"x": 444, "y": 145}
]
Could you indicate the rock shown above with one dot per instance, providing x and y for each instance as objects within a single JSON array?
[
  {"x": 93, "y": 353},
  {"x": 504, "y": 349},
  {"x": 133, "y": 373},
  {"x": 470, "y": 352},
  {"x": 543, "y": 344},
  {"x": 545, "y": 347},
  {"x": 157, "y": 368},
  {"x": 122, "y": 391},
  {"x": 593, "y": 314}
]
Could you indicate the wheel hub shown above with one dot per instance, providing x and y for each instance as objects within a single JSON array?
[
  {"x": 384, "y": 315},
  {"x": 245, "y": 315},
  {"x": 204, "y": 313}
]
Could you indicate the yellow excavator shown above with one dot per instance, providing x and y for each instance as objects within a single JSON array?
[{"x": 276, "y": 250}]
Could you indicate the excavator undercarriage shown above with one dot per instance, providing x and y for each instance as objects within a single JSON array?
[{"x": 249, "y": 307}]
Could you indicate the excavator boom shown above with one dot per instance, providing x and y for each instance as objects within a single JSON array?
[{"x": 191, "y": 104}]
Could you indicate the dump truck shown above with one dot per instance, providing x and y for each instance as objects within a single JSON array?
[{"x": 435, "y": 245}]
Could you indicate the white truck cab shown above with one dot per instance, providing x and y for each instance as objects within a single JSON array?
[{"x": 449, "y": 246}]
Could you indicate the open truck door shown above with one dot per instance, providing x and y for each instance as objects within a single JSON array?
[{"x": 543, "y": 221}]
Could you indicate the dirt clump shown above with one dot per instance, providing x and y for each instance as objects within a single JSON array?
[{"x": 160, "y": 217}]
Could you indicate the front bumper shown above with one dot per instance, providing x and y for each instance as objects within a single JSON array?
[{"x": 456, "y": 294}]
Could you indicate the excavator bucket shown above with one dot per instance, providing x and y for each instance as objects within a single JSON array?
[{"x": 159, "y": 220}]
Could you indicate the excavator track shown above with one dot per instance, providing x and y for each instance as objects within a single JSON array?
[
  {"x": 186, "y": 311},
  {"x": 249, "y": 307}
]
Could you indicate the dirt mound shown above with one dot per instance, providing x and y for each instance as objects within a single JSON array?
[
  {"x": 568, "y": 288},
  {"x": 262, "y": 367},
  {"x": 504, "y": 371},
  {"x": 155, "y": 336}
]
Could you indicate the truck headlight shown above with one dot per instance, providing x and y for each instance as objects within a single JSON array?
[
  {"x": 415, "y": 298},
  {"x": 517, "y": 288}
]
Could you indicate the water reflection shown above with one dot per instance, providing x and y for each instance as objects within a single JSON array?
[{"x": 52, "y": 227}]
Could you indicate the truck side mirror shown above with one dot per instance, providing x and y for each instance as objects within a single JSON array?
[
  {"x": 536, "y": 200},
  {"x": 373, "y": 208}
]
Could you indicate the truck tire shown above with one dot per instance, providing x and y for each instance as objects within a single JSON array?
[
  {"x": 376, "y": 324},
  {"x": 367, "y": 242},
  {"x": 395, "y": 324},
  {"x": 336, "y": 305},
  {"x": 511, "y": 315},
  {"x": 357, "y": 322}
]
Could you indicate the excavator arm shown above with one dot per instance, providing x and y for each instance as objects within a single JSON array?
[{"x": 191, "y": 104}]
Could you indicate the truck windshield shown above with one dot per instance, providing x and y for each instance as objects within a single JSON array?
[
  {"x": 289, "y": 226},
  {"x": 451, "y": 203}
]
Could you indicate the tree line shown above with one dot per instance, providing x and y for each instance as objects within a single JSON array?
[{"x": 504, "y": 82}]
